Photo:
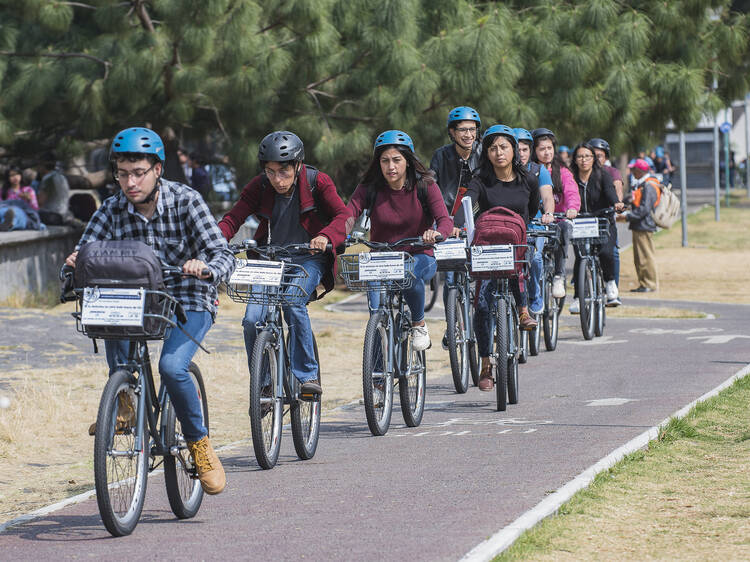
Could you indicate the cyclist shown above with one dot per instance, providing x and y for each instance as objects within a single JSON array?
[
  {"x": 390, "y": 190},
  {"x": 525, "y": 141},
  {"x": 565, "y": 193},
  {"x": 597, "y": 192},
  {"x": 502, "y": 181},
  {"x": 564, "y": 153},
  {"x": 291, "y": 211},
  {"x": 175, "y": 221},
  {"x": 601, "y": 149}
]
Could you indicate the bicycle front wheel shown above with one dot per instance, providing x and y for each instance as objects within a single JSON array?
[
  {"x": 585, "y": 289},
  {"x": 265, "y": 405},
  {"x": 458, "y": 346},
  {"x": 306, "y": 420},
  {"x": 550, "y": 316},
  {"x": 411, "y": 384},
  {"x": 120, "y": 469},
  {"x": 601, "y": 313},
  {"x": 184, "y": 490},
  {"x": 501, "y": 354},
  {"x": 515, "y": 347},
  {"x": 535, "y": 337},
  {"x": 377, "y": 382}
]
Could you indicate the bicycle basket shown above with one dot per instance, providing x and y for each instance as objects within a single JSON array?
[
  {"x": 268, "y": 283},
  {"x": 124, "y": 313},
  {"x": 498, "y": 261},
  {"x": 377, "y": 270},
  {"x": 592, "y": 230},
  {"x": 451, "y": 255}
]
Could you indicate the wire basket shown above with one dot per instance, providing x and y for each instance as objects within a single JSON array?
[
  {"x": 520, "y": 264},
  {"x": 158, "y": 312},
  {"x": 603, "y": 224},
  {"x": 289, "y": 292},
  {"x": 349, "y": 272}
]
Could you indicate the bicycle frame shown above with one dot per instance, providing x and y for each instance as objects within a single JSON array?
[
  {"x": 386, "y": 307},
  {"x": 503, "y": 292},
  {"x": 462, "y": 283}
]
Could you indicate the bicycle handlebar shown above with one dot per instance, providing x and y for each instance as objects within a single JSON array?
[
  {"x": 271, "y": 250},
  {"x": 415, "y": 241}
]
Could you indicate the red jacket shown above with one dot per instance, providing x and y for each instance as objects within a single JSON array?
[{"x": 258, "y": 200}]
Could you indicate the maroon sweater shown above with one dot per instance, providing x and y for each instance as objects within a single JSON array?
[{"x": 399, "y": 214}]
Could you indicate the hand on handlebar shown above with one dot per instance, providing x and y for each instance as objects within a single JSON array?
[
  {"x": 619, "y": 207},
  {"x": 431, "y": 236},
  {"x": 319, "y": 244},
  {"x": 571, "y": 214},
  {"x": 71, "y": 259},
  {"x": 456, "y": 232},
  {"x": 196, "y": 268}
]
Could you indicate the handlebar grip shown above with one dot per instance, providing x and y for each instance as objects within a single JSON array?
[{"x": 439, "y": 238}]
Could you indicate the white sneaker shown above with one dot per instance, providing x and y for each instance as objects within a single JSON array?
[
  {"x": 558, "y": 287},
  {"x": 612, "y": 292},
  {"x": 575, "y": 307},
  {"x": 420, "y": 338}
]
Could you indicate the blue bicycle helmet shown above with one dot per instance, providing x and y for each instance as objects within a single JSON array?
[
  {"x": 659, "y": 151},
  {"x": 523, "y": 135},
  {"x": 563, "y": 148},
  {"x": 393, "y": 137},
  {"x": 137, "y": 140},
  {"x": 500, "y": 130},
  {"x": 464, "y": 113}
]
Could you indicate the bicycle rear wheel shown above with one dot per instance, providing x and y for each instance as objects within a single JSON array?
[
  {"x": 431, "y": 291},
  {"x": 586, "y": 297},
  {"x": 265, "y": 406},
  {"x": 535, "y": 337},
  {"x": 377, "y": 383},
  {"x": 120, "y": 470},
  {"x": 514, "y": 352},
  {"x": 411, "y": 384},
  {"x": 184, "y": 490},
  {"x": 458, "y": 346},
  {"x": 306, "y": 420},
  {"x": 523, "y": 347},
  {"x": 501, "y": 354},
  {"x": 600, "y": 308}
]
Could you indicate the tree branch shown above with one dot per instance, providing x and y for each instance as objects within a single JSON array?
[
  {"x": 142, "y": 13},
  {"x": 314, "y": 85},
  {"x": 103, "y": 62},
  {"x": 79, "y": 5}
]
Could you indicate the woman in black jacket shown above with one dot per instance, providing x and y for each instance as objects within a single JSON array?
[{"x": 597, "y": 192}]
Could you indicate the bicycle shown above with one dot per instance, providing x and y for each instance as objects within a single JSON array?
[
  {"x": 126, "y": 450},
  {"x": 459, "y": 313},
  {"x": 590, "y": 231},
  {"x": 431, "y": 291},
  {"x": 500, "y": 263},
  {"x": 548, "y": 320},
  {"x": 274, "y": 283},
  {"x": 388, "y": 356}
]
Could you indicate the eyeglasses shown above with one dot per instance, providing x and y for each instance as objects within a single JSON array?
[
  {"x": 584, "y": 158},
  {"x": 283, "y": 174},
  {"x": 138, "y": 174},
  {"x": 469, "y": 130}
]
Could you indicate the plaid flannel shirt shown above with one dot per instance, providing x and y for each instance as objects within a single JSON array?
[{"x": 181, "y": 228}]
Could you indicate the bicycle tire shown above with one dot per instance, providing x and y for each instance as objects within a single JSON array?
[
  {"x": 121, "y": 479},
  {"x": 458, "y": 347},
  {"x": 474, "y": 362},
  {"x": 585, "y": 289},
  {"x": 184, "y": 490},
  {"x": 411, "y": 386},
  {"x": 265, "y": 422},
  {"x": 501, "y": 354},
  {"x": 601, "y": 313},
  {"x": 305, "y": 415},
  {"x": 535, "y": 337},
  {"x": 377, "y": 385},
  {"x": 550, "y": 316},
  {"x": 523, "y": 347},
  {"x": 514, "y": 359},
  {"x": 431, "y": 291}
]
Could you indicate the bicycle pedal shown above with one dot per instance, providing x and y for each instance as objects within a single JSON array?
[{"x": 309, "y": 396}]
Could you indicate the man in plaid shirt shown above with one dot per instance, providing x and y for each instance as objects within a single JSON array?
[{"x": 175, "y": 221}]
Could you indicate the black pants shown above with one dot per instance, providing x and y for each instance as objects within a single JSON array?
[{"x": 606, "y": 255}]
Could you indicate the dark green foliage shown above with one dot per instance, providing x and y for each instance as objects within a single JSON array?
[{"x": 226, "y": 72}]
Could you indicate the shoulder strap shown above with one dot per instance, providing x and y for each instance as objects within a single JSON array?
[{"x": 312, "y": 178}]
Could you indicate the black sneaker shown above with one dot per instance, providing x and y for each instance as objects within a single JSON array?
[{"x": 7, "y": 222}]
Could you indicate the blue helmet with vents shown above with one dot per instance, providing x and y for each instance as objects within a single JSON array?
[
  {"x": 464, "y": 113},
  {"x": 137, "y": 140},
  {"x": 394, "y": 137},
  {"x": 523, "y": 135}
]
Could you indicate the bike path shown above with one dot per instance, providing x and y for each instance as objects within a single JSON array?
[{"x": 432, "y": 492}]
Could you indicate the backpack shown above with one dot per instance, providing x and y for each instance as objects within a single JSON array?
[
  {"x": 667, "y": 207},
  {"x": 499, "y": 225},
  {"x": 128, "y": 264}
]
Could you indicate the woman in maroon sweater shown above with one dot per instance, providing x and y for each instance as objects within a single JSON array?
[{"x": 396, "y": 176}]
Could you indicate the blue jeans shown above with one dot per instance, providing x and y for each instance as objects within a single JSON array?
[
  {"x": 535, "y": 281},
  {"x": 485, "y": 308},
  {"x": 301, "y": 350},
  {"x": 424, "y": 269},
  {"x": 20, "y": 219},
  {"x": 176, "y": 354}
]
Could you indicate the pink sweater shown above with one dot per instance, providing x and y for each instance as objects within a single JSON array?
[{"x": 569, "y": 199}]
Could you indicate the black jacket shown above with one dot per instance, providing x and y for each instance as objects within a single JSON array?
[
  {"x": 447, "y": 167},
  {"x": 599, "y": 193}
]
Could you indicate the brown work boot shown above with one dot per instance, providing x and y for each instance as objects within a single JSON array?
[
  {"x": 526, "y": 322},
  {"x": 125, "y": 415},
  {"x": 485, "y": 378},
  {"x": 210, "y": 472}
]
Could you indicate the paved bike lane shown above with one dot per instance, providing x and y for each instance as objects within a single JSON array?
[{"x": 432, "y": 492}]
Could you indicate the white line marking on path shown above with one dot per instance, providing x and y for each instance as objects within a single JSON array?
[
  {"x": 506, "y": 536},
  {"x": 596, "y": 341},
  {"x": 724, "y": 338},
  {"x": 609, "y": 402},
  {"x": 503, "y": 431}
]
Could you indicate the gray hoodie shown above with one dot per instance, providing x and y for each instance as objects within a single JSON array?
[{"x": 640, "y": 217}]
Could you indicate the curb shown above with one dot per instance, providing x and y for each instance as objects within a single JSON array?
[{"x": 506, "y": 536}]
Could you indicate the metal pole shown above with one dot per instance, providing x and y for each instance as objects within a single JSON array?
[
  {"x": 683, "y": 189},
  {"x": 716, "y": 165},
  {"x": 747, "y": 143},
  {"x": 727, "y": 171}
]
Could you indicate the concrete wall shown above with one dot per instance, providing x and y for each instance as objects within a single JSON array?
[{"x": 30, "y": 260}]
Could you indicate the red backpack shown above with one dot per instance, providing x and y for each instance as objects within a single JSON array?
[{"x": 500, "y": 226}]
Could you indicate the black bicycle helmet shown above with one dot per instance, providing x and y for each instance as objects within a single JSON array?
[
  {"x": 542, "y": 132},
  {"x": 281, "y": 146},
  {"x": 601, "y": 144}
]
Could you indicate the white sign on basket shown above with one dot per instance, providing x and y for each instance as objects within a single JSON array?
[
  {"x": 492, "y": 258},
  {"x": 374, "y": 266},
  {"x": 112, "y": 307},
  {"x": 453, "y": 249},
  {"x": 257, "y": 272},
  {"x": 585, "y": 228}
]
